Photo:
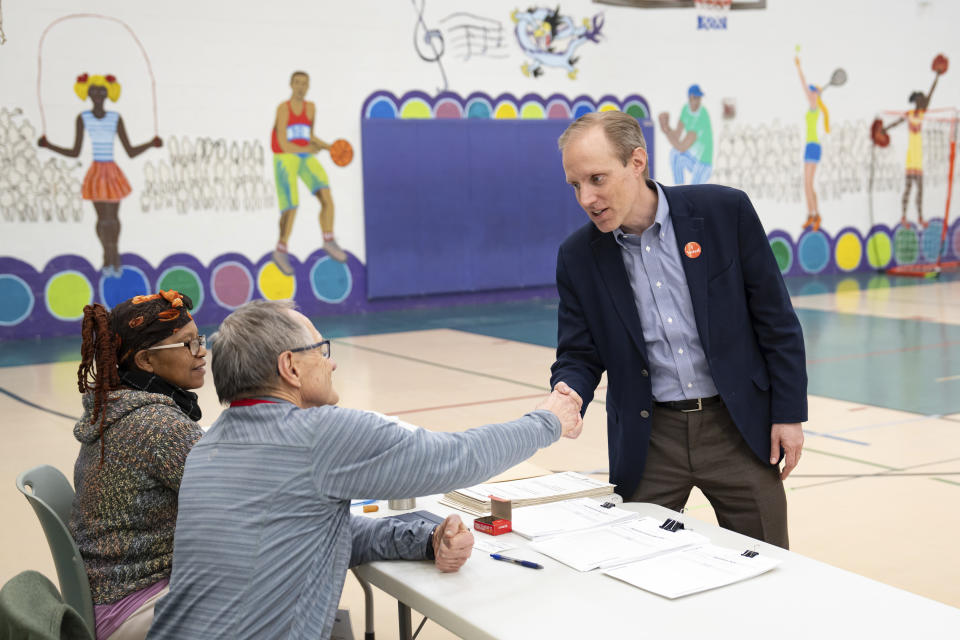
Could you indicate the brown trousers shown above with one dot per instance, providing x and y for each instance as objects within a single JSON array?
[{"x": 704, "y": 449}]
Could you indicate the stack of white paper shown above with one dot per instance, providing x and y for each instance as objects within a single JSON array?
[
  {"x": 616, "y": 545},
  {"x": 528, "y": 491},
  {"x": 566, "y": 517},
  {"x": 692, "y": 570}
]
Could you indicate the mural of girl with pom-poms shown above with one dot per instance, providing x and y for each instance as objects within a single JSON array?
[{"x": 104, "y": 185}]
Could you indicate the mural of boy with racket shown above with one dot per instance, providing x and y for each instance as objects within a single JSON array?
[
  {"x": 294, "y": 146},
  {"x": 692, "y": 140},
  {"x": 105, "y": 185},
  {"x": 914, "y": 119}
]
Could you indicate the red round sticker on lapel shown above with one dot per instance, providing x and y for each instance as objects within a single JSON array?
[{"x": 692, "y": 249}]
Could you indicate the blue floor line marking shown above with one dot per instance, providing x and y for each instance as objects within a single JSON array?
[{"x": 36, "y": 406}]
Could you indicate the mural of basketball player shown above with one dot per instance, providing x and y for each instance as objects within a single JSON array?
[
  {"x": 294, "y": 149},
  {"x": 812, "y": 150},
  {"x": 692, "y": 140},
  {"x": 104, "y": 185},
  {"x": 914, "y": 119}
]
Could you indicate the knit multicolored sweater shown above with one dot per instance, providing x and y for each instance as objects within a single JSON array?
[{"x": 125, "y": 511}]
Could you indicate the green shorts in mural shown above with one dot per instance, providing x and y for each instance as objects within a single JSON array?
[{"x": 286, "y": 168}]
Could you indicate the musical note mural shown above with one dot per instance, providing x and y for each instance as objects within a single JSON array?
[
  {"x": 472, "y": 36},
  {"x": 468, "y": 35}
]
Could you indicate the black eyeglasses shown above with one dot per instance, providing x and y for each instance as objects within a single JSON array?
[
  {"x": 194, "y": 344},
  {"x": 323, "y": 346}
]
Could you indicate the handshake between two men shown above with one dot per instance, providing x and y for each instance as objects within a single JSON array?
[{"x": 452, "y": 540}]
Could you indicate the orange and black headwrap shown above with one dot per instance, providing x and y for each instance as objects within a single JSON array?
[
  {"x": 110, "y": 339},
  {"x": 143, "y": 321}
]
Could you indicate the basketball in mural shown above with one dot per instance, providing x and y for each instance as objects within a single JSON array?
[{"x": 341, "y": 152}]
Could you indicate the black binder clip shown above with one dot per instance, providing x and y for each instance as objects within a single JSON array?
[
  {"x": 671, "y": 525},
  {"x": 750, "y": 553},
  {"x": 608, "y": 505}
]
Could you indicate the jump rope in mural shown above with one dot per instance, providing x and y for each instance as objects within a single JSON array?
[
  {"x": 549, "y": 39},
  {"x": 104, "y": 184}
]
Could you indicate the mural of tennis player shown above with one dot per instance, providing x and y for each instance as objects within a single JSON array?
[
  {"x": 104, "y": 185},
  {"x": 692, "y": 140},
  {"x": 914, "y": 119},
  {"x": 812, "y": 150},
  {"x": 294, "y": 149}
]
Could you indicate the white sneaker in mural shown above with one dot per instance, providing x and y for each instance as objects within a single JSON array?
[
  {"x": 334, "y": 251},
  {"x": 282, "y": 260}
]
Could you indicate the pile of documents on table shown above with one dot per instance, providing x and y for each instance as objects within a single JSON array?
[
  {"x": 526, "y": 492},
  {"x": 586, "y": 535}
]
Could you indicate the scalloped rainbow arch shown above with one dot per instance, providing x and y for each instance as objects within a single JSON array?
[{"x": 419, "y": 105}]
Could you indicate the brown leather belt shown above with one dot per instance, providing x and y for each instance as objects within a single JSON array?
[{"x": 696, "y": 404}]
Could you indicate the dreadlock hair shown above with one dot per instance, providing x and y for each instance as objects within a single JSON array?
[{"x": 98, "y": 362}]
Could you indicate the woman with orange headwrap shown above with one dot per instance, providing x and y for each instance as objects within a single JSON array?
[
  {"x": 812, "y": 150},
  {"x": 139, "y": 362},
  {"x": 105, "y": 185}
]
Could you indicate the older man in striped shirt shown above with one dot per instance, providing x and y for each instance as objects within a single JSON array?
[{"x": 264, "y": 533}]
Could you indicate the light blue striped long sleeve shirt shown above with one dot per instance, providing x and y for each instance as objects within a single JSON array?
[
  {"x": 264, "y": 532},
  {"x": 678, "y": 363}
]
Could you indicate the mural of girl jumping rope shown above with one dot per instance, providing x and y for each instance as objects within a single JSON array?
[
  {"x": 104, "y": 185},
  {"x": 812, "y": 150}
]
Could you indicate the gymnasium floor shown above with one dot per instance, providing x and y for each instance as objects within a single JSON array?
[{"x": 875, "y": 492}]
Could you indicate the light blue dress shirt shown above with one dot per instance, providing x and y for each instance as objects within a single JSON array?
[{"x": 678, "y": 364}]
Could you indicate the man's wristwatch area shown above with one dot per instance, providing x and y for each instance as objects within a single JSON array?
[{"x": 430, "y": 554}]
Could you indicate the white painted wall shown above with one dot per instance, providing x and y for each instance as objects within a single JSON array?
[{"x": 221, "y": 68}]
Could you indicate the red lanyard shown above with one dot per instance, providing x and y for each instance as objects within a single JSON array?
[{"x": 250, "y": 402}]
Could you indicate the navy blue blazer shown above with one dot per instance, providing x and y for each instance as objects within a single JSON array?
[{"x": 747, "y": 325}]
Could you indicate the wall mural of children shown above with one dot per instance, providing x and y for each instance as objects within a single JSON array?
[
  {"x": 812, "y": 149},
  {"x": 294, "y": 150},
  {"x": 104, "y": 185},
  {"x": 914, "y": 119}
]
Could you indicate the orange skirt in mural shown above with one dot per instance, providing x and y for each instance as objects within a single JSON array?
[{"x": 105, "y": 182}]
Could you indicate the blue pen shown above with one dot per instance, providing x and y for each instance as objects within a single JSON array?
[
  {"x": 522, "y": 563},
  {"x": 362, "y": 503}
]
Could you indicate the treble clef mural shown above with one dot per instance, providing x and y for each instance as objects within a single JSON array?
[{"x": 432, "y": 38}]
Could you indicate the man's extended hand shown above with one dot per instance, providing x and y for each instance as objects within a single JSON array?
[
  {"x": 452, "y": 544},
  {"x": 790, "y": 437},
  {"x": 565, "y": 403}
]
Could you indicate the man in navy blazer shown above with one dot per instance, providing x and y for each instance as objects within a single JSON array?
[{"x": 675, "y": 293}]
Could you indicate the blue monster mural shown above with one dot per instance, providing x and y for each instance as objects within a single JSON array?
[{"x": 550, "y": 40}]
